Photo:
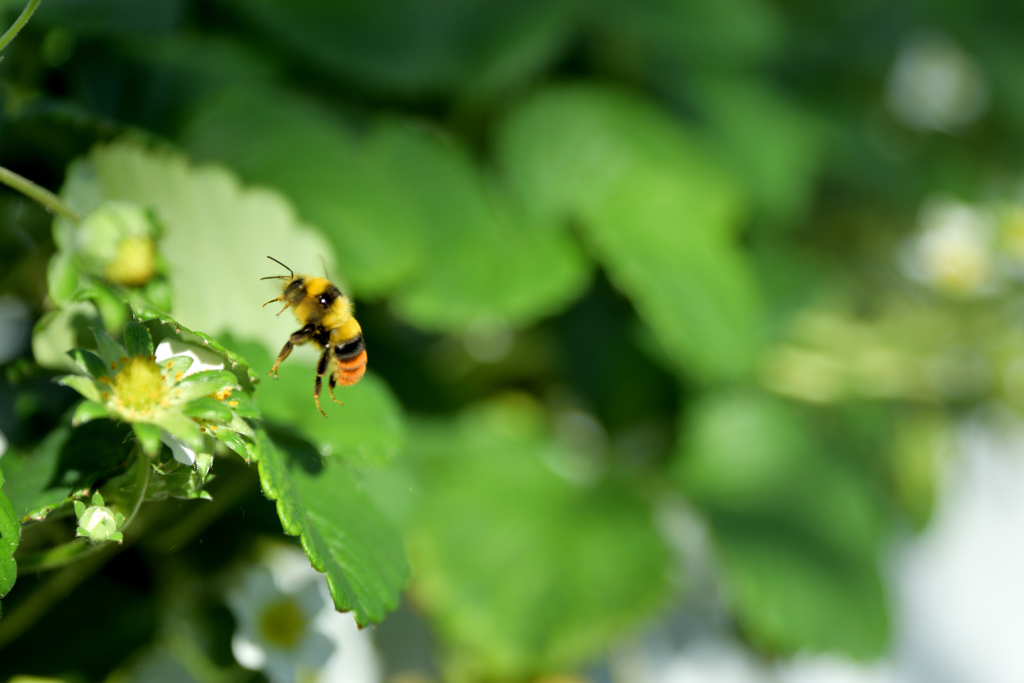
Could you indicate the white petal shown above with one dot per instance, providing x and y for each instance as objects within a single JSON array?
[
  {"x": 3, "y": 444},
  {"x": 202, "y": 358},
  {"x": 181, "y": 452},
  {"x": 354, "y": 659},
  {"x": 249, "y": 595},
  {"x": 247, "y": 653}
]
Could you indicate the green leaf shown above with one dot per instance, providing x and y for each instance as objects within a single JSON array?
[
  {"x": 137, "y": 340},
  {"x": 308, "y": 154},
  {"x": 89, "y": 362},
  {"x": 149, "y": 437},
  {"x": 162, "y": 326},
  {"x": 236, "y": 443},
  {"x": 10, "y": 535},
  {"x": 177, "y": 365},
  {"x": 180, "y": 427},
  {"x": 110, "y": 351},
  {"x": 64, "y": 464},
  {"x": 62, "y": 278},
  {"x": 217, "y": 233},
  {"x": 207, "y": 408},
  {"x": 87, "y": 411},
  {"x": 487, "y": 255},
  {"x": 787, "y": 512},
  {"x": 341, "y": 531},
  {"x": 86, "y": 386},
  {"x": 204, "y": 383},
  {"x": 523, "y": 571},
  {"x": 57, "y": 332},
  {"x": 773, "y": 146},
  {"x": 659, "y": 212}
]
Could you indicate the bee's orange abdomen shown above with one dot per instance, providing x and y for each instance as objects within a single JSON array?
[{"x": 348, "y": 372}]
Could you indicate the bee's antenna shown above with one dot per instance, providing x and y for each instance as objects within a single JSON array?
[
  {"x": 324, "y": 264},
  {"x": 290, "y": 271}
]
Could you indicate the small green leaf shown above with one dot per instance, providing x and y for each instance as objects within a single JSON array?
[
  {"x": 176, "y": 365},
  {"x": 62, "y": 278},
  {"x": 137, "y": 340},
  {"x": 234, "y": 442},
  {"x": 58, "y": 331},
  {"x": 110, "y": 351},
  {"x": 206, "y": 408},
  {"x": 342, "y": 532},
  {"x": 180, "y": 427},
  {"x": 90, "y": 363},
  {"x": 87, "y": 411},
  {"x": 149, "y": 437},
  {"x": 86, "y": 386},
  {"x": 10, "y": 535},
  {"x": 204, "y": 461},
  {"x": 243, "y": 405}
]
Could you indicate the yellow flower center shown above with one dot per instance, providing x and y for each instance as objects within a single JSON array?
[
  {"x": 139, "y": 388},
  {"x": 282, "y": 623},
  {"x": 134, "y": 263}
]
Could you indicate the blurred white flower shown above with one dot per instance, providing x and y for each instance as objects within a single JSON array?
[
  {"x": 202, "y": 359},
  {"x": 287, "y": 626},
  {"x": 15, "y": 328},
  {"x": 935, "y": 85},
  {"x": 953, "y": 251},
  {"x": 834, "y": 669},
  {"x": 960, "y": 602},
  {"x": 3, "y": 444},
  {"x": 712, "y": 661}
]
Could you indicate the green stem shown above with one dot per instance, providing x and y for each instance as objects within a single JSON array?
[
  {"x": 49, "y": 200},
  {"x": 19, "y": 23}
]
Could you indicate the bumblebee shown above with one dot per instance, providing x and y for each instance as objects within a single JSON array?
[{"x": 326, "y": 318}]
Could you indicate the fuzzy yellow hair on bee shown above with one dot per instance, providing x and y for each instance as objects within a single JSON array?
[{"x": 326, "y": 318}]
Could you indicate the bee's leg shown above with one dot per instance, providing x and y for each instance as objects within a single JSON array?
[
  {"x": 330, "y": 389},
  {"x": 321, "y": 368},
  {"x": 299, "y": 337},
  {"x": 280, "y": 298}
]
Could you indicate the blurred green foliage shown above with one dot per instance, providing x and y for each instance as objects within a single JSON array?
[{"x": 621, "y": 267}]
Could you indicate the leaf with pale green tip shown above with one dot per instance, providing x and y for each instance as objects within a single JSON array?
[
  {"x": 10, "y": 535},
  {"x": 206, "y": 408},
  {"x": 212, "y": 225},
  {"x": 205, "y": 383},
  {"x": 86, "y": 386},
  {"x": 137, "y": 340},
  {"x": 149, "y": 437},
  {"x": 89, "y": 362},
  {"x": 87, "y": 411},
  {"x": 342, "y": 532},
  {"x": 57, "y": 331}
]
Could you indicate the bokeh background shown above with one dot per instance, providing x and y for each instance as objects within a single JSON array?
[{"x": 694, "y": 325}]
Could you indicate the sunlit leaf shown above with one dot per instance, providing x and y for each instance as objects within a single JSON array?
[
  {"x": 342, "y": 533},
  {"x": 137, "y": 340},
  {"x": 217, "y": 234}
]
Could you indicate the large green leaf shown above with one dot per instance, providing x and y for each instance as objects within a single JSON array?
[
  {"x": 798, "y": 529},
  {"x": 10, "y": 534},
  {"x": 217, "y": 234},
  {"x": 63, "y": 464},
  {"x": 524, "y": 571},
  {"x": 405, "y": 209},
  {"x": 367, "y": 432},
  {"x": 486, "y": 255},
  {"x": 308, "y": 153},
  {"x": 659, "y": 212},
  {"x": 419, "y": 47},
  {"x": 341, "y": 531}
]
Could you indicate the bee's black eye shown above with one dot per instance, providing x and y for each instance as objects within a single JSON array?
[{"x": 323, "y": 301}]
